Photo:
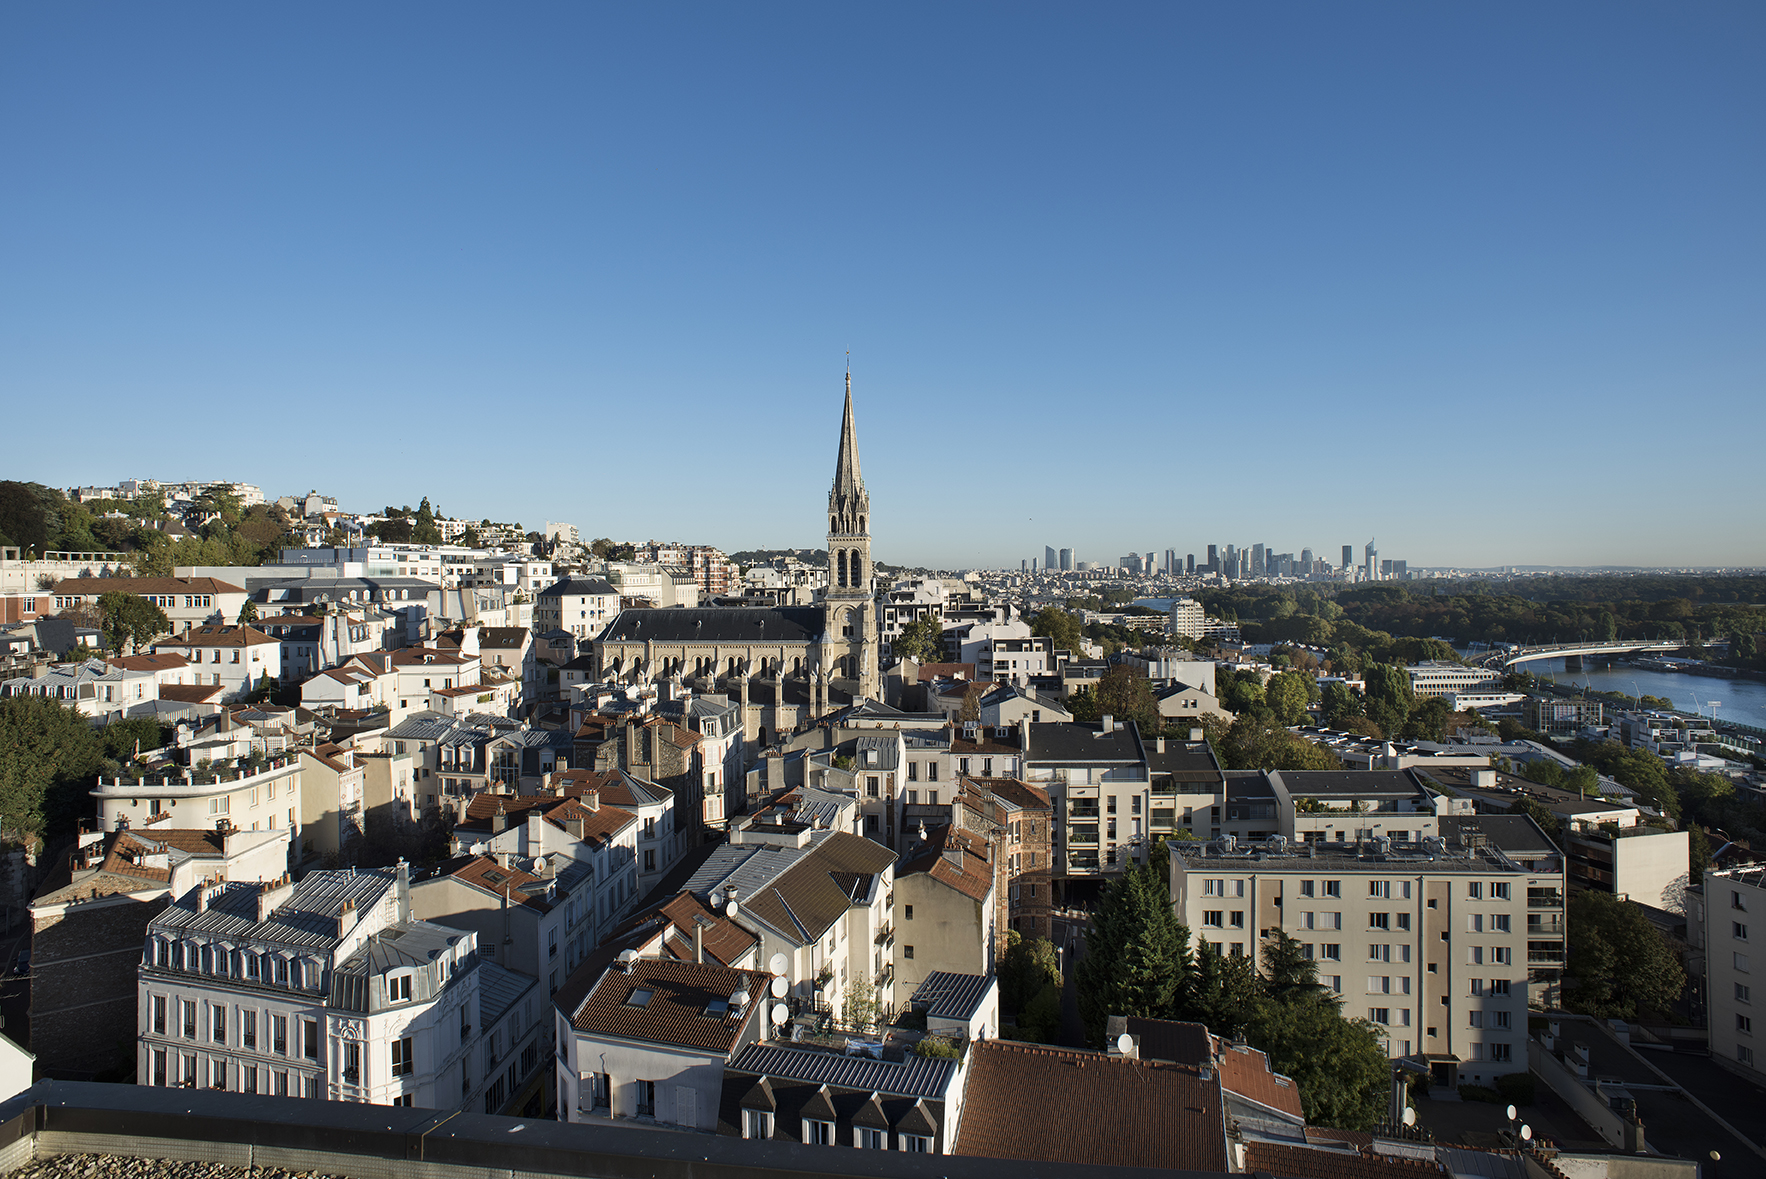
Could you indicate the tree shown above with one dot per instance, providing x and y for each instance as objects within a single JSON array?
[
  {"x": 971, "y": 706},
  {"x": 1338, "y": 704},
  {"x": 49, "y": 756},
  {"x": 1240, "y": 691},
  {"x": 1123, "y": 693},
  {"x": 1340, "y": 1065},
  {"x": 1028, "y": 965},
  {"x": 1222, "y": 992},
  {"x": 1287, "y": 695},
  {"x": 1257, "y": 742},
  {"x": 1389, "y": 698},
  {"x": 921, "y": 640},
  {"x": 249, "y": 611},
  {"x": 1138, "y": 955},
  {"x": 1617, "y": 963},
  {"x": 131, "y": 618},
  {"x": 393, "y": 530},
  {"x": 1059, "y": 627},
  {"x": 423, "y": 529}
]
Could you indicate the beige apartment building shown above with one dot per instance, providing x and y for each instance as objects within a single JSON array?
[
  {"x": 1732, "y": 899},
  {"x": 1435, "y": 942}
]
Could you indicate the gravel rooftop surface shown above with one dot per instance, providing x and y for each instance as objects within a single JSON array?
[{"x": 107, "y": 1166}]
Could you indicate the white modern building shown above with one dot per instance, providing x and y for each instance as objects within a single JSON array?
[
  {"x": 1437, "y": 677},
  {"x": 1732, "y": 901}
]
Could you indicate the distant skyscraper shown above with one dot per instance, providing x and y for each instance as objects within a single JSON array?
[
  {"x": 1373, "y": 557},
  {"x": 1348, "y": 555},
  {"x": 1049, "y": 559},
  {"x": 1150, "y": 567},
  {"x": 1258, "y": 568},
  {"x": 1214, "y": 558},
  {"x": 1066, "y": 560},
  {"x": 1033, "y": 564},
  {"x": 1024, "y": 566},
  {"x": 1306, "y": 561},
  {"x": 1192, "y": 562}
]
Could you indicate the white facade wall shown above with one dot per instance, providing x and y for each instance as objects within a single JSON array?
[{"x": 1735, "y": 906}]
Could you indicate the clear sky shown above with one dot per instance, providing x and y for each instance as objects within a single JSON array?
[{"x": 1483, "y": 280}]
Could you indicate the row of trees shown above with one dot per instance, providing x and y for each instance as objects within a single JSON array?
[
  {"x": 1138, "y": 963},
  {"x": 49, "y": 757}
]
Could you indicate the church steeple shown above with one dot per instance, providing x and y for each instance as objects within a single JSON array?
[
  {"x": 850, "y": 644},
  {"x": 846, "y": 474}
]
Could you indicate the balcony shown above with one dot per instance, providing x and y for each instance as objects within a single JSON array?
[
  {"x": 1082, "y": 862},
  {"x": 1541, "y": 955},
  {"x": 1545, "y": 927},
  {"x": 1079, "y": 813},
  {"x": 1540, "y": 898},
  {"x": 885, "y": 975},
  {"x": 885, "y": 936}
]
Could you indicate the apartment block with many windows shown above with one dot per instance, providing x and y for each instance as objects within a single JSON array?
[
  {"x": 1428, "y": 941},
  {"x": 1734, "y": 907}
]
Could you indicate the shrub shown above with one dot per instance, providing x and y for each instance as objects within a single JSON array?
[
  {"x": 1480, "y": 1093},
  {"x": 1516, "y": 1088},
  {"x": 938, "y": 1047}
]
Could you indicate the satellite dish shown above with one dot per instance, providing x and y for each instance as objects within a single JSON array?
[
  {"x": 779, "y": 987},
  {"x": 778, "y": 964},
  {"x": 539, "y": 865},
  {"x": 730, "y": 909},
  {"x": 1409, "y": 1116},
  {"x": 477, "y": 849},
  {"x": 1125, "y": 1043},
  {"x": 627, "y": 957},
  {"x": 1511, "y": 1113},
  {"x": 781, "y": 1013},
  {"x": 1526, "y": 1133}
]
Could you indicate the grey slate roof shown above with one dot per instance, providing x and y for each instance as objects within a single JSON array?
[
  {"x": 750, "y": 868},
  {"x": 918, "y": 1076},
  {"x": 952, "y": 996},
  {"x": 307, "y": 919},
  {"x": 1514, "y": 834},
  {"x": 1083, "y": 744},
  {"x": 736, "y": 625},
  {"x": 579, "y": 587},
  {"x": 498, "y": 990}
]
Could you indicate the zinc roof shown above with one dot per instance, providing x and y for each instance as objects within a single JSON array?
[{"x": 917, "y": 1076}]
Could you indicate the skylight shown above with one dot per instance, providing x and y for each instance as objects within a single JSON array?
[
  {"x": 717, "y": 1008},
  {"x": 640, "y": 997}
]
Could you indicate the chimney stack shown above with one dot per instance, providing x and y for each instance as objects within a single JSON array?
[
  {"x": 698, "y": 942},
  {"x": 1109, "y": 723}
]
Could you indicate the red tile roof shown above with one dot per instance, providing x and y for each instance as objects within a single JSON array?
[
  {"x": 217, "y": 636},
  {"x": 1063, "y": 1105},
  {"x": 167, "y": 661},
  {"x": 676, "y": 1011},
  {"x": 145, "y": 585},
  {"x": 974, "y": 879}
]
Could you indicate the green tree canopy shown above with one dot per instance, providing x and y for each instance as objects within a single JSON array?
[
  {"x": 1287, "y": 695},
  {"x": 1138, "y": 956},
  {"x": 1123, "y": 693},
  {"x": 1618, "y": 964},
  {"x": 1058, "y": 626},
  {"x": 131, "y": 619},
  {"x": 1256, "y": 742},
  {"x": 1028, "y": 965},
  {"x": 921, "y": 640},
  {"x": 423, "y": 529}
]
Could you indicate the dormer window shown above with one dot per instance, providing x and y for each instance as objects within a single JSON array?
[{"x": 398, "y": 988}]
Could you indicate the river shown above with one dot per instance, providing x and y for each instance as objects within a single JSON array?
[{"x": 1740, "y": 700}]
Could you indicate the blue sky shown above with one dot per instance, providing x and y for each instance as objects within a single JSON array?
[{"x": 1482, "y": 280}]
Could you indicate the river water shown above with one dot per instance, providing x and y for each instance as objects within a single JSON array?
[{"x": 1740, "y": 700}]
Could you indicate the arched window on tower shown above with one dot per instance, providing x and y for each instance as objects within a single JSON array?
[
  {"x": 842, "y": 566},
  {"x": 858, "y": 570},
  {"x": 861, "y": 525}
]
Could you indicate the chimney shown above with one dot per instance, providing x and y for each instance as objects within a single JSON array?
[
  {"x": 591, "y": 799},
  {"x": 698, "y": 942},
  {"x": 346, "y": 920},
  {"x": 1109, "y": 723},
  {"x": 499, "y": 820},
  {"x": 1159, "y": 744},
  {"x": 1196, "y": 735},
  {"x": 40, "y": 669},
  {"x": 272, "y": 894}
]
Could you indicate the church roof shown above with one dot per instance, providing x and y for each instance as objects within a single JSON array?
[
  {"x": 731, "y": 626},
  {"x": 846, "y": 473}
]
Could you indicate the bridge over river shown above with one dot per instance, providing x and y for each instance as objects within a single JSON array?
[{"x": 1568, "y": 651}]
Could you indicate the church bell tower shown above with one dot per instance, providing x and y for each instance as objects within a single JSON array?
[{"x": 850, "y": 634}]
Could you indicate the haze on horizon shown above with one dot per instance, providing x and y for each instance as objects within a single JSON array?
[{"x": 1484, "y": 282}]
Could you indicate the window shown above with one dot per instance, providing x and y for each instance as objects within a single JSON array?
[
  {"x": 1499, "y": 1019},
  {"x": 1741, "y": 993},
  {"x": 1379, "y": 1015},
  {"x": 1499, "y": 986},
  {"x": 817, "y": 1132},
  {"x": 1403, "y": 920},
  {"x": 1741, "y": 963},
  {"x": 1737, "y": 901},
  {"x": 1499, "y": 1052},
  {"x": 1501, "y": 955},
  {"x": 1212, "y": 918},
  {"x": 1475, "y": 1019},
  {"x": 401, "y": 986},
  {"x": 1306, "y": 921},
  {"x": 908, "y": 912},
  {"x": 352, "y": 1063},
  {"x": 870, "y": 1139},
  {"x": 1499, "y": 891},
  {"x": 907, "y": 952},
  {"x": 1474, "y": 923},
  {"x": 931, "y": 771},
  {"x": 1475, "y": 890},
  {"x": 1739, "y": 930},
  {"x": 1333, "y": 888},
  {"x": 915, "y": 1143},
  {"x": 1306, "y": 888},
  {"x": 646, "y": 1091},
  {"x": 189, "y": 1017},
  {"x": 1238, "y": 919},
  {"x": 757, "y": 1123},
  {"x": 159, "y": 1017},
  {"x": 871, "y": 783},
  {"x": 1379, "y": 920},
  {"x": 913, "y": 776},
  {"x": 1499, "y": 922},
  {"x": 402, "y": 1058},
  {"x": 248, "y": 1029},
  {"x": 1382, "y": 889},
  {"x": 1744, "y": 1024},
  {"x": 1744, "y": 1054},
  {"x": 1333, "y": 952},
  {"x": 310, "y": 1038},
  {"x": 279, "y": 1034}
]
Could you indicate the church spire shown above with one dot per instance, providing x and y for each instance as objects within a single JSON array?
[{"x": 847, "y": 479}]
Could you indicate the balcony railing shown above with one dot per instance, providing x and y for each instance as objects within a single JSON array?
[
  {"x": 1544, "y": 900},
  {"x": 885, "y": 936}
]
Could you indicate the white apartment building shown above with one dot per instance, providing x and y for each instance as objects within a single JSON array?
[
  {"x": 235, "y": 658},
  {"x": 1733, "y": 900},
  {"x": 1438, "y": 677},
  {"x": 581, "y": 606},
  {"x": 324, "y": 989},
  {"x": 1014, "y": 660},
  {"x": 1189, "y": 620},
  {"x": 187, "y": 601},
  {"x": 1431, "y": 941},
  {"x": 95, "y": 688},
  {"x": 265, "y": 799}
]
